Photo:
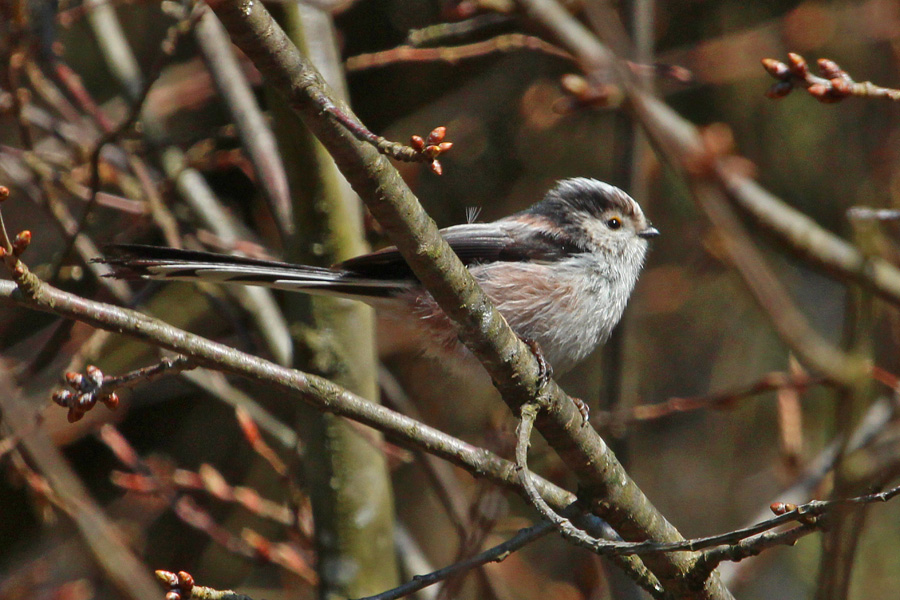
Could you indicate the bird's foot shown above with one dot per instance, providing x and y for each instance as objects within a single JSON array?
[
  {"x": 583, "y": 408},
  {"x": 545, "y": 369}
]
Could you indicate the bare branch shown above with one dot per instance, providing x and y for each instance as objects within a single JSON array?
[
  {"x": 256, "y": 136},
  {"x": 93, "y": 386},
  {"x": 834, "y": 85},
  {"x": 181, "y": 587},
  {"x": 506, "y": 358},
  {"x": 315, "y": 390},
  {"x": 453, "y": 54},
  {"x": 496, "y": 554},
  {"x": 123, "y": 569}
]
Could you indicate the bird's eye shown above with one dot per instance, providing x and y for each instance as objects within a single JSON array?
[{"x": 614, "y": 223}]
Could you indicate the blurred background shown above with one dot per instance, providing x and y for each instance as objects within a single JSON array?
[{"x": 691, "y": 330}]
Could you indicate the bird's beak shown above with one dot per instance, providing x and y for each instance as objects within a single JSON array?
[{"x": 649, "y": 232}]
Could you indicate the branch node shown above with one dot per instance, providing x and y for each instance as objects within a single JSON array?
[
  {"x": 181, "y": 586},
  {"x": 419, "y": 150},
  {"x": 832, "y": 85}
]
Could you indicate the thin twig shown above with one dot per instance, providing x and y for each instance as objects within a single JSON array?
[
  {"x": 93, "y": 385},
  {"x": 834, "y": 85},
  {"x": 174, "y": 35},
  {"x": 120, "y": 565},
  {"x": 563, "y": 525},
  {"x": 875, "y": 214},
  {"x": 751, "y": 547},
  {"x": 251, "y": 547},
  {"x": 453, "y": 54},
  {"x": 441, "y": 32},
  {"x": 256, "y": 136},
  {"x": 419, "y": 150},
  {"x": 498, "y": 553},
  {"x": 316, "y": 390},
  {"x": 208, "y": 479},
  {"x": 511, "y": 364},
  {"x": 879, "y": 416},
  {"x": 726, "y": 399}
]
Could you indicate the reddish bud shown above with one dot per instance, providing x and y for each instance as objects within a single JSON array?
[
  {"x": 62, "y": 397},
  {"x": 776, "y": 68},
  {"x": 417, "y": 143},
  {"x": 435, "y": 150},
  {"x": 782, "y": 508},
  {"x": 85, "y": 401},
  {"x": 74, "y": 415},
  {"x": 575, "y": 85},
  {"x": 797, "y": 65},
  {"x": 779, "y": 90},
  {"x": 825, "y": 94},
  {"x": 436, "y": 136},
  {"x": 247, "y": 425},
  {"x": 173, "y": 595},
  {"x": 678, "y": 73},
  {"x": 818, "y": 90},
  {"x": 841, "y": 86},
  {"x": 74, "y": 378},
  {"x": 436, "y": 167},
  {"x": 95, "y": 375},
  {"x": 829, "y": 68},
  {"x": 167, "y": 577},
  {"x": 2, "y": 252},
  {"x": 185, "y": 582},
  {"x": 111, "y": 401},
  {"x": 23, "y": 238},
  {"x": 4, "y": 193},
  {"x": 260, "y": 545}
]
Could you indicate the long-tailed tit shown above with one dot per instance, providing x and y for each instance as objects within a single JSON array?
[{"x": 560, "y": 272}]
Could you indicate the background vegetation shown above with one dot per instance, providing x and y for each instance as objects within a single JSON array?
[{"x": 691, "y": 330}]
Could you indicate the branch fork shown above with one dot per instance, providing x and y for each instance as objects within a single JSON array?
[
  {"x": 832, "y": 85},
  {"x": 419, "y": 150},
  {"x": 93, "y": 385}
]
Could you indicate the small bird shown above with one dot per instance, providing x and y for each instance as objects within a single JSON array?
[{"x": 560, "y": 272}]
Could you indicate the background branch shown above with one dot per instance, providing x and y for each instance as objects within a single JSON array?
[{"x": 508, "y": 361}]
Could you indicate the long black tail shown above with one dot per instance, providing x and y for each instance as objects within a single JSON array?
[{"x": 133, "y": 261}]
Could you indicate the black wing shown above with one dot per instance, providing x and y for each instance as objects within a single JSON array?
[{"x": 474, "y": 243}]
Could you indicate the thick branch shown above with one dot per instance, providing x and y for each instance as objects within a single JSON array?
[{"x": 483, "y": 330}]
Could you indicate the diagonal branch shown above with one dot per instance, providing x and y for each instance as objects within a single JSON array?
[
  {"x": 509, "y": 362},
  {"x": 318, "y": 391}
]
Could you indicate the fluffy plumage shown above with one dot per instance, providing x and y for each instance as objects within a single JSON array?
[{"x": 560, "y": 272}]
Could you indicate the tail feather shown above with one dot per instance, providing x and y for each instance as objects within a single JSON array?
[{"x": 132, "y": 261}]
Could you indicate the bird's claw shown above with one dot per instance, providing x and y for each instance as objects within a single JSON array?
[
  {"x": 583, "y": 408},
  {"x": 545, "y": 373},
  {"x": 545, "y": 369}
]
